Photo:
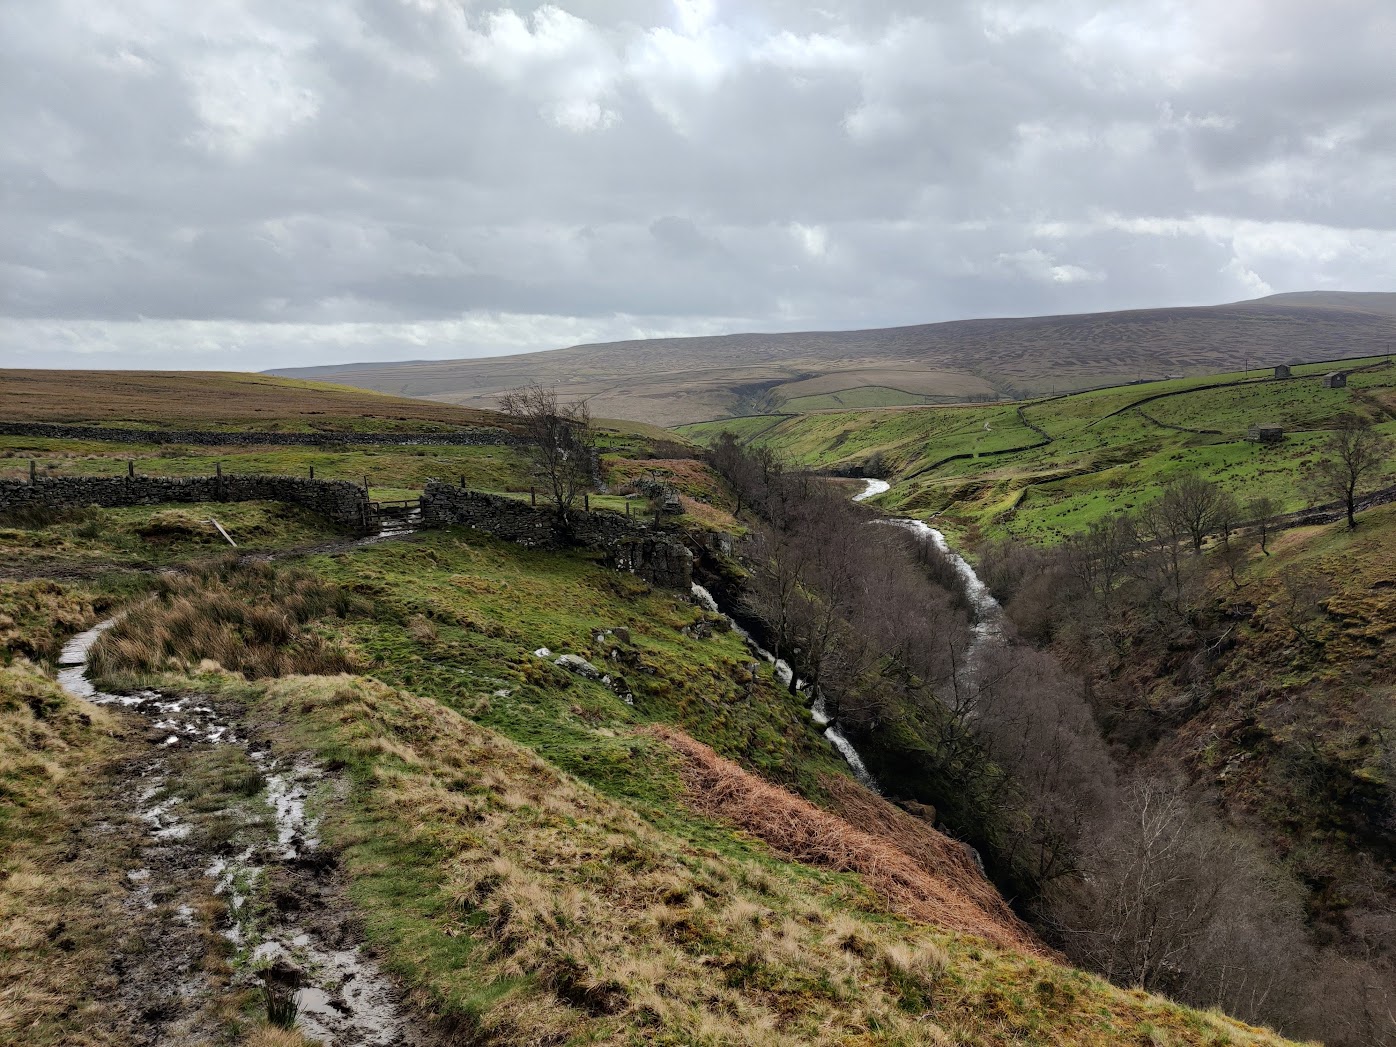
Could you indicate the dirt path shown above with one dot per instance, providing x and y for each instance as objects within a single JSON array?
[{"x": 229, "y": 886}]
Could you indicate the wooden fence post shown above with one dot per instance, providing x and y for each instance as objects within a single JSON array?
[
  {"x": 312, "y": 472},
  {"x": 532, "y": 496},
  {"x": 33, "y": 471},
  {"x": 131, "y": 467},
  {"x": 586, "y": 502}
]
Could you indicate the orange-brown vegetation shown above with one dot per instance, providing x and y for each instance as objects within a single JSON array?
[{"x": 922, "y": 874}]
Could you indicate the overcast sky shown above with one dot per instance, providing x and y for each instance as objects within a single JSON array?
[{"x": 240, "y": 184}]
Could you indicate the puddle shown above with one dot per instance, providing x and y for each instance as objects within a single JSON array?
[{"x": 344, "y": 998}]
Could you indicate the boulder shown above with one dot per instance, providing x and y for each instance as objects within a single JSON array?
[{"x": 576, "y": 664}]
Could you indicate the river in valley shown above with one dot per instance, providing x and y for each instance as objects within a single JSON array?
[{"x": 987, "y": 626}]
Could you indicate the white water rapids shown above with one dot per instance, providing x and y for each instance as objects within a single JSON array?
[
  {"x": 783, "y": 673},
  {"x": 987, "y": 625}
]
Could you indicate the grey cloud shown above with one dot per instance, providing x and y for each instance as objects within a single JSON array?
[{"x": 380, "y": 179}]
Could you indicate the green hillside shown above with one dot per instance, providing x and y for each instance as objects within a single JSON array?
[
  {"x": 672, "y": 854},
  {"x": 1110, "y": 449}
]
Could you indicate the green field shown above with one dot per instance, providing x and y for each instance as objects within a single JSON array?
[
  {"x": 866, "y": 396},
  {"x": 1108, "y": 452},
  {"x": 487, "y": 468}
]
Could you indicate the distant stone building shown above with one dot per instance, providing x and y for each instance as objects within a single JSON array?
[
  {"x": 1335, "y": 380},
  {"x": 1282, "y": 371},
  {"x": 1266, "y": 434}
]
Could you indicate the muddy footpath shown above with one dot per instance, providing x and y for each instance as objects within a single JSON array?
[{"x": 229, "y": 890}]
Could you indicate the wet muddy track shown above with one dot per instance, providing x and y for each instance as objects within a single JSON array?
[{"x": 235, "y": 880}]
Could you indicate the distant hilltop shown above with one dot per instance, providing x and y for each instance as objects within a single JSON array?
[{"x": 671, "y": 381}]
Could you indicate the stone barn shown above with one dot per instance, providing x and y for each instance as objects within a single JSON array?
[
  {"x": 1335, "y": 380},
  {"x": 1266, "y": 433},
  {"x": 1282, "y": 371}
]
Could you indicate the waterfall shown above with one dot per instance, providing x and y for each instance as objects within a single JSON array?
[{"x": 783, "y": 674}]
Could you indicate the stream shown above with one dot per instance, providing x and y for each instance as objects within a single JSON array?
[
  {"x": 343, "y": 998},
  {"x": 988, "y": 628},
  {"x": 783, "y": 674}
]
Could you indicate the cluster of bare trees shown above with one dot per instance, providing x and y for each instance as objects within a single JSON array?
[
  {"x": 1171, "y": 896},
  {"x": 1132, "y": 874}
]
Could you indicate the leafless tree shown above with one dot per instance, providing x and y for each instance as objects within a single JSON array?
[
  {"x": 560, "y": 441},
  {"x": 1194, "y": 505},
  {"x": 1262, "y": 512},
  {"x": 1352, "y": 455},
  {"x": 1172, "y": 902}
]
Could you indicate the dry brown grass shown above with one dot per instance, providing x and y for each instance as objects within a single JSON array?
[
  {"x": 922, "y": 874},
  {"x": 35, "y": 616},
  {"x": 53, "y": 939},
  {"x": 271, "y": 1036},
  {"x": 587, "y": 923},
  {"x": 250, "y": 618},
  {"x": 213, "y": 399}
]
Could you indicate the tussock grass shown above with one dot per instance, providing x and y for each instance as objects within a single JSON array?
[
  {"x": 35, "y": 617},
  {"x": 247, "y": 617},
  {"x": 526, "y": 907},
  {"x": 53, "y": 940}
]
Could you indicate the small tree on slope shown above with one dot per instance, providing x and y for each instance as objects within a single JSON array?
[
  {"x": 1351, "y": 456},
  {"x": 560, "y": 441}
]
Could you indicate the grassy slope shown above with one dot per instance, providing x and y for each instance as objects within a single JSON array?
[
  {"x": 144, "y": 536},
  {"x": 1290, "y": 737},
  {"x": 1099, "y": 461},
  {"x": 217, "y": 400},
  {"x": 486, "y": 468},
  {"x": 522, "y": 852}
]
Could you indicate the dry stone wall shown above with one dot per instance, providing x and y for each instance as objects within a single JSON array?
[
  {"x": 656, "y": 555},
  {"x": 339, "y": 500}
]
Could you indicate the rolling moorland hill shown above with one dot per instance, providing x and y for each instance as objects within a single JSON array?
[
  {"x": 376, "y": 777},
  {"x": 1043, "y": 469},
  {"x": 672, "y": 381},
  {"x": 217, "y": 400}
]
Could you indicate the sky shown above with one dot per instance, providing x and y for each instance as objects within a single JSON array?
[{"x": 247, "y": 184}]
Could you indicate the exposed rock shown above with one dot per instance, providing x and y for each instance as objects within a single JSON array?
[{"x": 574, "y": 663}]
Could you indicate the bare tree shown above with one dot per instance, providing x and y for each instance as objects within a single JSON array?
[
  {"x": 1173, "y": 902},
  {"x": 1262, "y": 512},
  {"x": 1194, "y": 505},
  {"x": 560, "y": 441},
  {"x": 742, "y": 471},
  {"x": 1353, "y": 454}
]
